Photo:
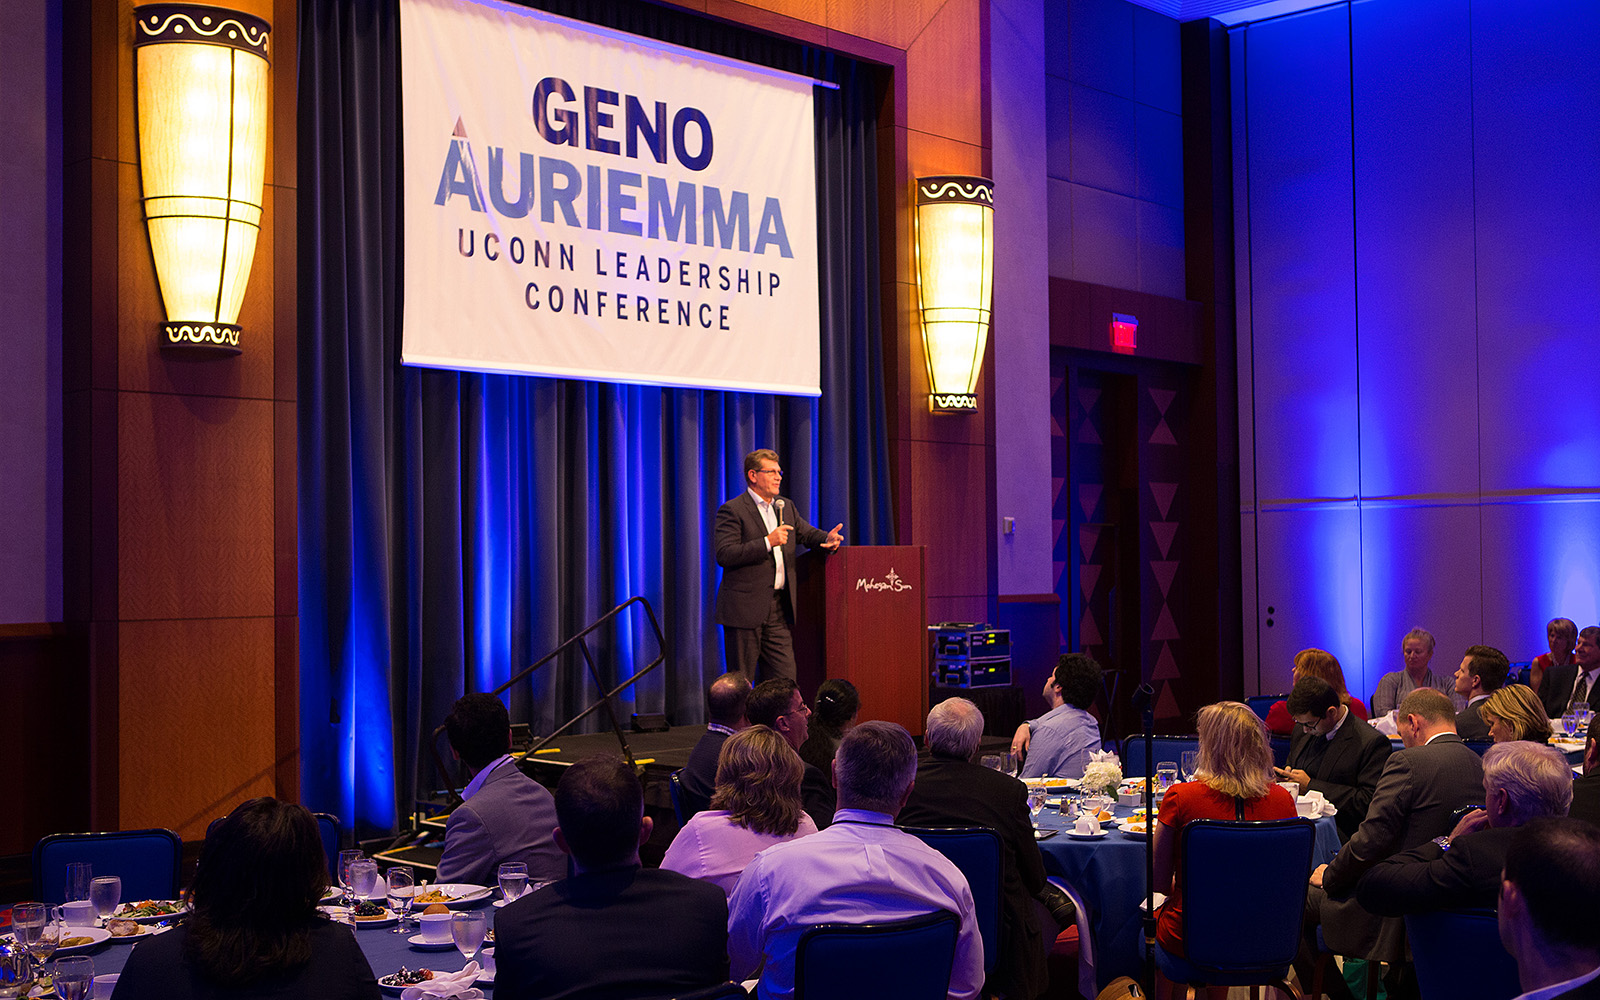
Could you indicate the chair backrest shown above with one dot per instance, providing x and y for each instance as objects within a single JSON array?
[
  {"x": 332, "y": 841},
  {"x": 1480, "y": 747},
  {"x": 1261, "y": 704},
  {"x": 1244, "y": 892},
  {"x": 1281, "y": 745},
  {"x": 907, "y": 959},
  {"x": 1519, "y": 673},
  {"x": 680, "y": 809},
  {"x": 147, "y": 861},
  {"x": 1162, "y": 747},
  {"x": 976, "y": 850},
  {"x": 1439, "y": 941}
]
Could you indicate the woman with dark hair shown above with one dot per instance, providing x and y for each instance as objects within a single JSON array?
[
  {"x": 255, "y": 930},
  {"x": 838, "y": 703},
  {"x": 756, "y": 805}
]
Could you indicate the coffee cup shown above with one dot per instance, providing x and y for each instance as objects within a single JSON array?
[
  {"x": 104, "y": 985},
  {"x": 78, "y": 913},
  {"x": 435, "y": 927},
  {"x": 1305, "y": 807},
  {"x": 1087, "y": 823}
]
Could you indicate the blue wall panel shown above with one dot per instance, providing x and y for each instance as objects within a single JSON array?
[
  {"x": 1536, "y": 99},
  {"x": 1301, "y": 233},
  {"x": 1541, "y": 560},
  {"x": 1414, "y": 260},
  {"x": 1311, "y": 578}
]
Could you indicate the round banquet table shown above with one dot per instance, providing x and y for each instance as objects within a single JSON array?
[
  {"x": 1105, "y": 876},
  {"x": 385, "y": 952}
]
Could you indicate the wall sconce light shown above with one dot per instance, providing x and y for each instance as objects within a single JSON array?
[
  {"x": 955, "y": 284},
  {"x": 202, "y": 93}
]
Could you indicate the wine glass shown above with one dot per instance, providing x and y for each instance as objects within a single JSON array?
[
  {"x": 1569, "y": 723},
  {"x": 346, "y": 859},
  {"x": 27, "y": 925},
  {"x": 1190, "y": 762},
  {"x": 402, "y": 887},
  {"x": 73, "y": 976},
  {"x": 513, "y": 880},
  {"x": 1035, "y": 803},
  {"x": 105, "y": 892},
  {"x": 363, "y": 879},
  {"x": 43, "y": 947},
  {"x": 467, "y": 928}
]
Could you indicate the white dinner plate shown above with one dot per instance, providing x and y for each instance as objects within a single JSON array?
[
  {"x": 155, "y": 917},
  {"x": 147, "y": 931},
  {"x": 390, "y": 986},
  {"x": 460, "y": 893},
  {"x": 388, "y": 919},
  {"x": 1128, "y": 828},
  {"x": 98, "y": 934},
  {"x": 421, "y": 944}
]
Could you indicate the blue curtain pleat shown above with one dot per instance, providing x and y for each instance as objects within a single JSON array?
[{"x": 457, "y": 526}]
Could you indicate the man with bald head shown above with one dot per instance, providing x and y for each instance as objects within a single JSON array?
[
  {"x": 725, "y": 704},
  {"x": 953, "y": 791}
]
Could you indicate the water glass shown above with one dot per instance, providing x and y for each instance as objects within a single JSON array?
[
  {"x": 346, "y": 859},
  {"x": 991, "y": 761},
  {"x": 402, "y": 888},
  {"x": 1035, "y": 802},
  {"x": 73, "y": 976},
  {"x": 1166, "y": 776},
  {"x": 1190, "y": 763},
  {"x": 513, "y": 880},
  {"x": 105, "y": 892},
  {"x": 467, "y": 928},
  {"x": 1569, "y": 723},
  {"x": 363, "y": 878},
  {"x": 79, "y": 875}
]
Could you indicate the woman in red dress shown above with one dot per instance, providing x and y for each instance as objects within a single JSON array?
[
  {"x": 1562, "y": 635},
  {"x": 1234, "y": 777},
  {"x": 1315, "y": 662}
]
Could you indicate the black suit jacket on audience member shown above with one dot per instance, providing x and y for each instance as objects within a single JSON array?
[
  {"x": 1470, "y": 724},
  {"x": 624, "y": 934},
  {"x": 1348, "y": 772},
  {"x": 1429, "y": 878},
  {"x": 817, "y": 796},
  {"x": 1415, "y": 801},
  {"x": 698, "y": 779},
  {"x": 1558, "y": 689},
  {"x": 1586, "y": 798},
  {"x": 950, "y": 792}
]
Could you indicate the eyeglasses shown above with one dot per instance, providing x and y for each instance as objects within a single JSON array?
[{"x": 769, "y": 472}]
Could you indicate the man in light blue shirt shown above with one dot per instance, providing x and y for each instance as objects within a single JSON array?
[{"x": 1058, "y": 743}]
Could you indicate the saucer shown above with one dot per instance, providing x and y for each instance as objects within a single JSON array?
[
  {"x": 1085, "y": 836},
  {"x": 421, "y": 944}
]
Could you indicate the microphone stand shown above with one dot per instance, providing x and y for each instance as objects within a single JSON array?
[{"x": 1144, "y": 704}]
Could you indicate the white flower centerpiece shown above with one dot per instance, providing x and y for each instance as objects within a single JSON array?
[{"x": 1103, "y": 774}]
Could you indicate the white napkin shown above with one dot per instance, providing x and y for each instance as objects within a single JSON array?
[
  {"x": 453, "y": 984},
  {"x": 1388, "y": 723}
]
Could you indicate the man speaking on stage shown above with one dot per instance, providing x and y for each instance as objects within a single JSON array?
[{"x": 756, "y": 534}]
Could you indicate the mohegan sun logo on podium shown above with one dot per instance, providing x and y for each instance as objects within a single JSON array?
[{"x": 890, "y": 581}]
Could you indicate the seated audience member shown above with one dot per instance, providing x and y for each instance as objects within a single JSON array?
[
  {"x": 1313, "y": 662},
  {"x": 836, "y": 707},
  {"x": 1515, "y": 713},
  {"x": 951, "y": 790},
  {"x": 1418, "y": 793},
  {"x": 1560, "y": 633},
  {"x": 1574, "y": 684},
  {"x": 725, "y": 705},
  {"x": 1233, "y": 778},
  {"x": 1482, "y": 672},
  {"x": 1548, "y": 898},
  {"x": 756, "y": 805},
  {"x": 1058, "y": 743},
  {"x": 255, "y": 930},
  {"x": 859, "y": 870},
  {"x": 776, "y": 704},
  {"x": 1521, "y": 782},
  {"x": 614, "y": 930},
  {"x": 1333, "y": 752},
  {"x": 504, "y": 815},
  {"x": 1586, "y": 790},
  {"x": 1417, "y": 649}
]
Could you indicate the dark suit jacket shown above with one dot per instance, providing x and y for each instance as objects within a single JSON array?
[
  {"x": 698, "y": 779},
  {"x": 1415, "y": 801},
  {"x": 1349, "y": 769},
  {"x": 1427, "y": 878},
  {"x": 817, "y": 795},
  {"x": 1586, "y": 798},
  {"x": 1588, "y": 991},
  {"x": 951, "y": 792},
  {"x": 511, "y": 818},
  {"x": 1558, "y": 688},
  {"x": 624, "y": 934},
  {"x": 745, "y": 595},
  {"x": 1470, "y": 724}
]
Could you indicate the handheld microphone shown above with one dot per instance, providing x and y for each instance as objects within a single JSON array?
[{"x": 777, "y": 509}]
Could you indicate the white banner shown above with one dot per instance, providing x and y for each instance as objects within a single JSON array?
[{"x": 589, "y": 204}]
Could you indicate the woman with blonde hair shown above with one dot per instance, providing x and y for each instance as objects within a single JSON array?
[
  {"x": 1514, "y": 712},
  {"x": 756, "y": 804},
  {"x": 1313, "y": 662},
  {"x": 1233, "y": 780}
]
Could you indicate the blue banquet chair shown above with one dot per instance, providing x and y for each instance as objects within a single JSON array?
[
  {"x": 147, "y": 861},
  {"x": 976, "y": 851},
  {"x": 1439, "y": 940},
  {"x": 907, "y": 959}
]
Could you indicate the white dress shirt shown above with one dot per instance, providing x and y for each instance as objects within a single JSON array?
[{"x": 769, "y": 517}]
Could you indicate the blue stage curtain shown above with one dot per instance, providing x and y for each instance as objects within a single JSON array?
[{"x": 455, "y": 527}]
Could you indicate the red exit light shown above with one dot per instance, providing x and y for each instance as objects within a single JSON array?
[{"x": 1124, "y": 333}]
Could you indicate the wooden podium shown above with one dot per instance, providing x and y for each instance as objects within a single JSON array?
[{"x": 864, "y": 619}]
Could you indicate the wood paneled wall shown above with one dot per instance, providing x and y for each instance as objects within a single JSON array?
[{"x": 180, "y": 471}]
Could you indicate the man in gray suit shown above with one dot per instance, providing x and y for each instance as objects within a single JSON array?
[
  {"x": 1417, "y": 796},
  {"x": 504, "y": 815},
  {"x": 756, "y": 535}
]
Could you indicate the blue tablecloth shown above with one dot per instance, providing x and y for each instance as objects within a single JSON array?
[{"x": 1107, "y": 875}]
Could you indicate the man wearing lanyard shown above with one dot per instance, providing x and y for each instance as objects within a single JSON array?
[
  {"x": 756, "y": 535},
  {"x": 504, "y": 814}
]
